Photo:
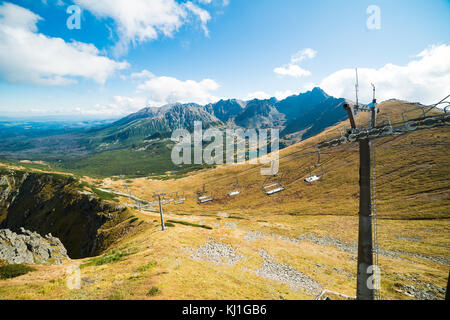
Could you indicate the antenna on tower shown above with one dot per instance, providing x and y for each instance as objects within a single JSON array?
[
  {"x": 374, "y": 101},
  {"x": 357, "y": 87}
]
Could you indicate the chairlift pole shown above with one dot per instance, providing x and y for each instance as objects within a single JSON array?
[
  {"x": 365, "y": 250},
  {"x": 365, "y": 270},
  {"x": 160, "y": 209},
  {"x": 367, "y": 209}
]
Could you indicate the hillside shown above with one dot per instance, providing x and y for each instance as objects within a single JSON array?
[
  {"x": 292, "y": 245},
  {"x": 126, "y": 140}
]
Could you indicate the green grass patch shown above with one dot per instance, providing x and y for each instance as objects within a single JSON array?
[
  {"x": 104, "y": 195},
  {"x": 148, "y": 266},
  {"x": 154, "y": 291},
  {"x": 14, "y": 270},
  {"x": 109, "y": 257},
  {"x": 236, "y": 217},
  {"x": 168, "y": 224},
  {"x": 133, "y": 220},
  {"x": 190, "y": 224}
]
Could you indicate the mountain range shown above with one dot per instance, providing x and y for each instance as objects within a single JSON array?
[
  {"x": 311, "y": 111},
  {"x": 297, "y": 117}
]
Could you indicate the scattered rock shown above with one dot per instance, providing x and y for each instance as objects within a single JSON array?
[
  {"x": 230, "y": 225},
  {"x": 419, "y": 294},
  {"x": 218, "y": 253},
  {"x": 414, "y": 239},
  {"x": 286, "y": 274},
  {"x": 223, "y": 214},
  {"x": 252, "y": 236}
]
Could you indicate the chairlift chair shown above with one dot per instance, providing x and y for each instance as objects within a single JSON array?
[
  {"x": 180, "y": 200},
  {"x": 236, "y": 190},
  {"x": 204, "y": 196},
  {"x": 272, "y": 185},
  {"x": 313, "y": 177},
  {"x": 171, "y": 198}
]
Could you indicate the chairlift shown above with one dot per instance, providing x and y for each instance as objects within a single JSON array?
[
  {"x": 204, "y": 196},
  {"x": 313, "y": 177},
  {"x": 236, "y": 190},
  {"x": 171, "y": 198},
  {"x": 180, "y": 199},
  {"x": 273, "y": 183},
  {"x": 316, "y": 172}
]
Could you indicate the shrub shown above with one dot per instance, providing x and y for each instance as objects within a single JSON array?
[
  {"x": 14, "y": 270},
  {"x": 154, "y": 291}
]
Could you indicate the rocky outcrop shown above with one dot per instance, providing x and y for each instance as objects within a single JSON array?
[
  {"x": 51, "y": 203},
  {"x": 29, "y": 247}
]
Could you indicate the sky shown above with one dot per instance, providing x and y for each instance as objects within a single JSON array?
[{"x": 109, "y": 58}]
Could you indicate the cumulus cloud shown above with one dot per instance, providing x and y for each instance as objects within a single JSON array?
[
  {"x": 119, "y": 107},
  {"x": 144, "y": 74},
  {"x": 293, "y": 69},
  {"x": 307, "y": 53},
  {"x": 261, "y": 95},
  {"x": 163, "y": 90},
  {"x": 27, "y": 56},
  {"x": 425, "y": 79},
  {"x": 145, "y": 20}
]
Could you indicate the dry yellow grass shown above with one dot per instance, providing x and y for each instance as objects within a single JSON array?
[{"x": 413, "y": 206}]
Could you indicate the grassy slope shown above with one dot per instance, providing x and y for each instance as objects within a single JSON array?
[{"x": 413, "y": 201}]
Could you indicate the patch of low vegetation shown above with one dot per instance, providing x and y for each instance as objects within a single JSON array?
[
  {"x": 14, "y": 270},
  {"x": 104, "y": 195},
  {"x": 148, "y": 266},
  {"x": 154, "y": 291},
  {"x": 99, "y": 193},
  {"x": 168, "y": 224},
  {"x": 236, "y": 218},
  {"x": 190, "y": 224},
  {"x": 133, "y": 220},
  {"x": 109, "y": 257}
]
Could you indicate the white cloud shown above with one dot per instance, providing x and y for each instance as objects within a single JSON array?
[
  {"x": 119, "y": 107},
  {"x": 202, "y": 14},
  {"x": 425, "y": 79},
  {"x": 205, "y": 1},
  {"x": 163, "y": 90},
  {"x": 307, "y": 53},
  {"x": 144, "y": 20},
  {"x": 144, "y": 74},
  {"x": 261, "y": 95},
  {"x": 281, "y": 95},
  {"x": 30, "y": 57},
  {"x": 293, "y": 69}
]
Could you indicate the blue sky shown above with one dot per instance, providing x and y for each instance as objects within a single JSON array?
[{"x": 204, "y": 50}]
